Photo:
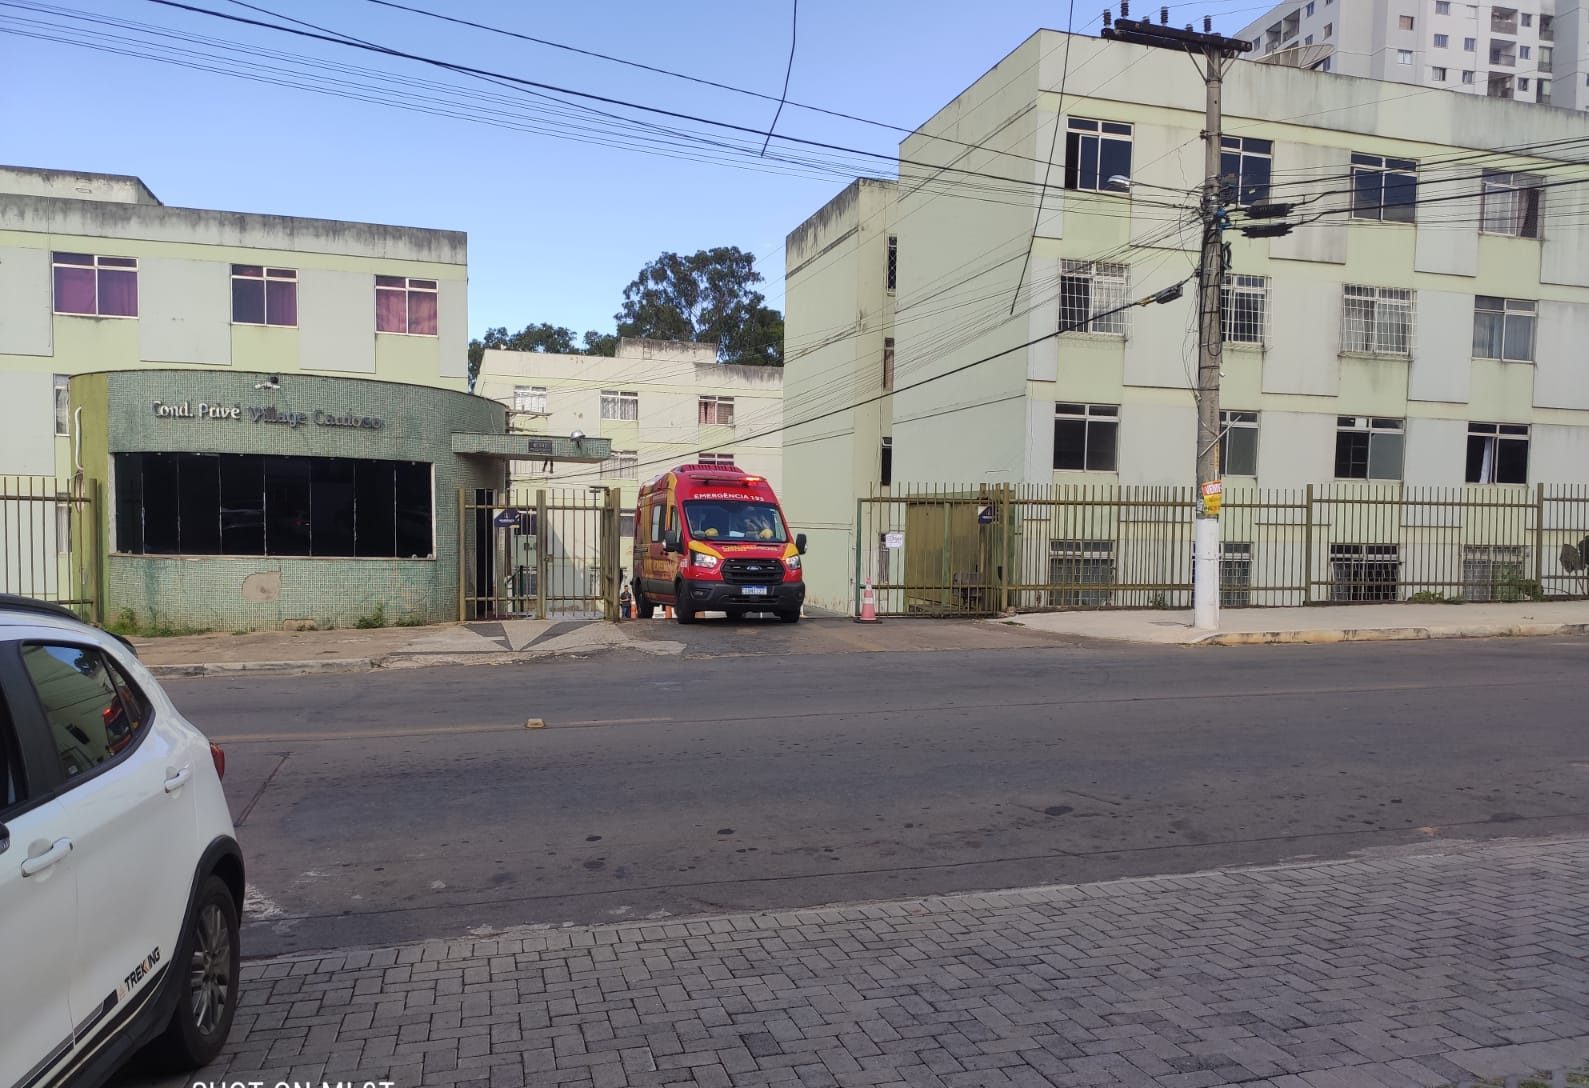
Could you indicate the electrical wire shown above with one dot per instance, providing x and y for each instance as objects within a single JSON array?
[{"x": 794, "y": 27}]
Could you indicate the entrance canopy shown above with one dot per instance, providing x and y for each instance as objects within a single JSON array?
[{"x": 533, "y": 447}]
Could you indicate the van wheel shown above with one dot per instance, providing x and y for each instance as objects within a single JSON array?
[
  {"x": 643, "y": 608},
  {"x": 682, "y": 610},
  {"x": 205, "y": 967},
  {"x": 790, "y": 617}
]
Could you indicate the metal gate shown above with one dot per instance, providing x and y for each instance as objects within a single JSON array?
[
  {"x": 51, "y": 543},
  {"x": 546, "y": 554}
]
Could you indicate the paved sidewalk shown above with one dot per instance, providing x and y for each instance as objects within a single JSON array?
[
  {"x": 1322, "y": 624},
  {"x": 1397, "y": 968}
]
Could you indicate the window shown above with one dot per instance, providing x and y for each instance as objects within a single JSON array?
[
  {"x": 405, "y": 305},
  {"x": 1382, "y": 188},
  {"x": 1084, "y": 437},
  {"x": 1491, "y": 572},
  {"x": 1235, "y": 574},
  {"x": 1437, "y": 74},
  {"x": 1547, "y": 28},
  {"x": 1544, "y": 92},
  {"x": 1095, "y": 152},
  {"x": 1324, "y": 65},
  {"x": 1238, "y": 443},
  {"x": 1088, "y": 291},
  {"x": 249, "y": 504},
  {"x": 1442, "y": 41},
  {"x": 1497, "y": 453},
  {"x": 1470, "y": 45},
  {"x": 626, "y": 524},
  {"x": 1547, "y": 57},
  {"x": 656, "y": 524},
  {"x": 1073, "y": 564},
  {"x": 888, "y": 362},
  {"x": 264, "y": 296},
  {"x": 1404, "y": 56},
  {"x": 622, "y": 465},
  {"x": 1442, "y": 7},
  {"x": 620, "y": 404},
  {"x": 1329, "y": 28},
  {"x": 96, "y": 286},
  {"x": 63, "y": 406},
  {"x": 1503, "y": 328},
  {"x": 1467, "y": 76},
  {"x": 1522, "y": 83},
  {"x": 716, "y": 460},
  {"x": 530, "y": 399},
  {"x": 1376, "y": 320},
  {"x": 1367, "y": 448},
  {"x": 1244, "y": 167},
  {"x": 1308, "y": 40},
  {"x": 1242, "y": 303},
  {"x": 1364, "y": 572},
  {"x": 1310, "y": 7},
  {"x": 886, "y": 468},
  {"x": 893, "y": 262},
  {"x": 1404, "y": 22},
  {"x": 94, "y": 713},
  {"x": 1528, "y": 20},
  {"x": 1524, "y": 52},
  {"x": 715, "y": 411}
]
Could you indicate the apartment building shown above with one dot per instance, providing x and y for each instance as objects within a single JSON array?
[
  {"x": 1421, "y": 325},
  {"x": 1525, "y": 50},
  {"x": 660, "y": 403}
]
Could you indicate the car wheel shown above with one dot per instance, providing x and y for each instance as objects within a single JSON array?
[
  {"x": 790, "y": 617},
  {"x": 682, "y": 611},
  {"x": 643, "y": 609},
  {"x": 207, "y": 962}
]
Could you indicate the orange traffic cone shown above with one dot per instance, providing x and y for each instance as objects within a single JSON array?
[{"x": 868, "y": 605}]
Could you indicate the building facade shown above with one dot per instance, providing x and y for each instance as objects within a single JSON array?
[
  {"x": 659, "y": 403},
  {"x": 1526, "y": 50},
  {"x": 1421, "y": 326}
]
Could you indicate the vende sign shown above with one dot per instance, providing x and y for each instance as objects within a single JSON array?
[{"x": 265, "y": 414}]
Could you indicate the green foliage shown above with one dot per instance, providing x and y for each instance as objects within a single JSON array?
[
  {"x": 376, "y": 618},
  {"x": 128, "y": 625},
  {"x": 710, "y": 297},
  {"x": 1429, "y": 596},
  {"x": 1517, "y": 588},
  {"x": 557, "y": 339}
]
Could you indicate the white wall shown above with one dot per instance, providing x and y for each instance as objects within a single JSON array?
[
  {"x": 1561, "y": 373},
  {"x": 26, "y": 321},
  {"x": 184, "y": 311},
  {"x": 27, "y": 424},
  {"x": 1435, "y": 452},
  {"x": 1443, "y": 347},
  {"x": 1295, "y": 448},
  {"x": 336, "y": 320},
  {"x": 1158, "y": 443},
  {"x": 1305, "y": 326}
]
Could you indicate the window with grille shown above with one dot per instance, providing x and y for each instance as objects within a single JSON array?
[
  {"x": 715, "y": 411},
  {"x": 886, "y": 467},
  {"x": 622, "y": 465},
  {"x": 1235, "y": 574},
  {"x": 1244, "y": 169},
  {"x": 1085, "y": 436},
  {"x": 1238, "y": 443},
  {"x": 1076, "y": 564},
  {"x": 1368, "y": 448},
  {"x": 893, "y": 262},
  {"x": 1088, "y": 292},
  {"x": 1243, "y": 302},
  {"x": 1376, "y": 320},
  {"x": 1384, "y": 189},
  {"x": 529, "y": 398},
  {"x": 1497, "y": 453},
  {"x": 1095, "y": 153},
  {"x": 888, "y": 362},
  {"x": 716, "y": 460},
  {"x": 1491, "y": 572},
  {"x": 1503, "y": 328},
  {"x": 1364, "y": 572},
  {"x": 620, "y": 404},
  {"x": 1510, "y": 204}
]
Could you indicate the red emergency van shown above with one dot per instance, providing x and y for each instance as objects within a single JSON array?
[{"x": 712, "y": 538}]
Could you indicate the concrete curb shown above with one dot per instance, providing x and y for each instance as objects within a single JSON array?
[
  {"x": 1392, "y": 634},
  {"x": 281, "y": 668}
]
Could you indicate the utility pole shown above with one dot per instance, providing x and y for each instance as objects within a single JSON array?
[{"x": 1216, "y": 51}]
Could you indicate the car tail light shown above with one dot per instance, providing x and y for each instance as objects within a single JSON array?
[{"x": 220, "y": 759}]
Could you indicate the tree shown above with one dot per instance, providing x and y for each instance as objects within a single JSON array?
[
  {"x": 709, "y": 297},
  {"x": 541, "y": 337}
]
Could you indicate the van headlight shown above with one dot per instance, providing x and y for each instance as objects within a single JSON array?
[
  {"x": 704, "y": 561},
  {"x": 793, "y": 562}
]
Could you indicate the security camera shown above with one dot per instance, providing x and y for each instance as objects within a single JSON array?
[
  {"x": 578, "y": 436},
  {"x": 272, "y": 382}
]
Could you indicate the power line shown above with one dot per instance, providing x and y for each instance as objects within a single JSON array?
[
  {"x": 1053, "y": 145},
  {"x": 794, "y": 27}
]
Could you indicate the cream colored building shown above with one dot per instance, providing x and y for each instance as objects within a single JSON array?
[
  {"x": 1427, "y": 331},
  {"x": 97, "y": 274},
  {"x": 662, "y": 403}
]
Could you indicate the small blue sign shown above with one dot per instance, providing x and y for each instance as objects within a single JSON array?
[
  {"x": 508, "y": 518},
  {"x": 984, "y": 515}
]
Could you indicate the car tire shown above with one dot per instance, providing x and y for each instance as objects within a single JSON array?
[
  {"x": 206, "y": 981},
  {"x": 790, "y": 617},
  {"x": 643, "y": 609},
  {"x": 682, "y": 610}
]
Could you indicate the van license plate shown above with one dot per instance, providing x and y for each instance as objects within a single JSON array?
[{"x": 754, "y": 591}]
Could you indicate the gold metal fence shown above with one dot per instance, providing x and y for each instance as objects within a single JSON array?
[
  {"x": 542, "y": 554},
  {"x": 51, "y": 542}
]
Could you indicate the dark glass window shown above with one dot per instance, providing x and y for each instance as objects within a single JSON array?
[{"x": 249, "y": 504}]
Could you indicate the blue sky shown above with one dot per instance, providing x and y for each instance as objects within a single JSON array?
[{"x": 556, "y": 227}]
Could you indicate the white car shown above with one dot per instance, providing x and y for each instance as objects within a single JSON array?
[{"x": 121, "y": 881}]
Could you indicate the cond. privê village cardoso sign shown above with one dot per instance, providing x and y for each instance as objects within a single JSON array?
[{"x": 271, "y": 414}]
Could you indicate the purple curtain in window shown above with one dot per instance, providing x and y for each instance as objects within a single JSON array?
[
  {"x": 74, "y": 290},
  {"x": 422, "y": 313},
  {"x": 391, "y": 310},
  {"x": 118, "y": 292},
  {"x": 281, "y": 302}
]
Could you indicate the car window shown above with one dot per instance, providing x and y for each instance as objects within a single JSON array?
[
  {"x": 11, "y": 789},
  {"x": 93, "y": 713}
]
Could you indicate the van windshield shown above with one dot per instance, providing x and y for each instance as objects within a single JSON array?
[{"x": 732, "y": 519}]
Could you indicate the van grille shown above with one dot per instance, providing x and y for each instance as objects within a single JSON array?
[{"x": 752, "y": 572}]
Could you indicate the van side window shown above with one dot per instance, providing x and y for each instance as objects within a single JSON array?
[{"x": 656, "y": 524}]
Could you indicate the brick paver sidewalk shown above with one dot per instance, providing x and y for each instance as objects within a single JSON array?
[{"x": 1396, "y": 969}]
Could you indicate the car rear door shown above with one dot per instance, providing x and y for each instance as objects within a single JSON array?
[
  {"x": 130, "y": 816},
  {"x": 38, "y": 897}
]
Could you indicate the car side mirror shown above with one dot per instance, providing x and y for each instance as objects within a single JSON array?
[
  {"x": 670, "y": 543},
  {"x": 800, "y": 543}
]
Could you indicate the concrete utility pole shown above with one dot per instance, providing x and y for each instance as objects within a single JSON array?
[{"x": 1217, "y": 52}]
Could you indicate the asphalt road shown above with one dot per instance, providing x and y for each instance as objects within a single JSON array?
[{"x": 412, "y": 804}]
